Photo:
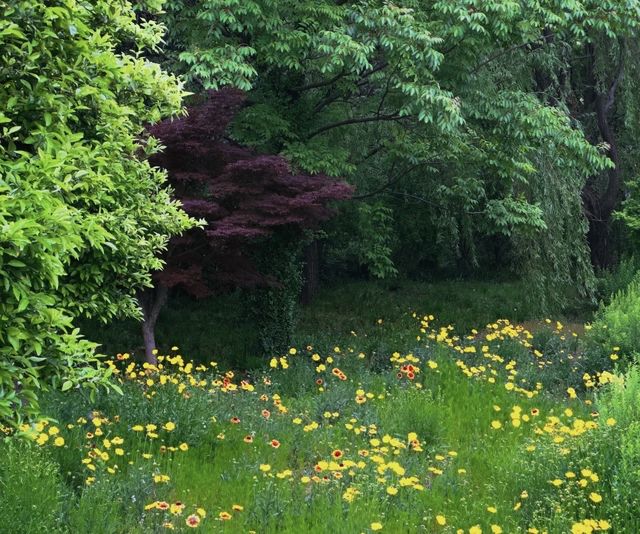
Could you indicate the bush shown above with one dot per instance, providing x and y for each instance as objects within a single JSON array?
[
  {"x": 618, "y": 324},
  {"x": 614, "y": 450},
  {"x": 82, "y": 213},
  {"x": 274, "y": 310},
  {"x": 609, "y": 283}
]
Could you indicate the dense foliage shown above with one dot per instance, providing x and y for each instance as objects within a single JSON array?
[
  {"x": 244, "y": 198},
  {"x": 474, "y": 124},
  {"x": 82, "y": 213},
  {"x": 459, "y": 137}
]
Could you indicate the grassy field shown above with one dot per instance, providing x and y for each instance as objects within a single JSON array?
[
  {"x": 216, "y": 329},
  {"x": 379, "y": 418}
]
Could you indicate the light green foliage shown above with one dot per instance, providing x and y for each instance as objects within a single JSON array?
[
  {"x": 614, "y": 450},
  {"x": 629, "y": 213},
  {"x": 82, "y": 214},
  {"x": 618, "y": 323}
]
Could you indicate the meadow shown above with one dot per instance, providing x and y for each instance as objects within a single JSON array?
[{"x": 405, "y": 424}]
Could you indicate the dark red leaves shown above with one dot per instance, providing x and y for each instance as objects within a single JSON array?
[{"x": 241, "y": 195}]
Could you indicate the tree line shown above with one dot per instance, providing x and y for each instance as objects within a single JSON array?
[{"x": 263, "y": 143}]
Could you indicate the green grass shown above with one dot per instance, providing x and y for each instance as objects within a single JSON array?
[
  {"x": 215, "y": 328},
  {"x": 464, "y": 470}
]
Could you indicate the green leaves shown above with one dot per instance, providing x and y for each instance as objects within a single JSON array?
[{"x": 82, "y": 216}]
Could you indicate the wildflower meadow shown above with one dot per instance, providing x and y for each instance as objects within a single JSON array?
[{"x": 502, "y": 429}]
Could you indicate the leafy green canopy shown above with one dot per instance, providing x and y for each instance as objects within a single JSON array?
[
  {"x": 82, "y": 214},
  {"x": 433, "y": 106}
]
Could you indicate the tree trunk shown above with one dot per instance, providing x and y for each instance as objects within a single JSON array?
[
  {"x": 599, "y": 243},
  {"x": 311, "y": 272},
  {"x": 149, "y": 336},
  {"x": 599, "y": 207},
  {"x": 151, "y": 301}
]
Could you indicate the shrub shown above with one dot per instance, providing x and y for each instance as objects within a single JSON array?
[
  {"x": 82, "y": 213},
  {"x": 609, "y": 283},
  {"x": 618, "y": 324},
  {"x": 614, "y": 450}
]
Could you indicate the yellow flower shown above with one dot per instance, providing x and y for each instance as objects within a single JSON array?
[
  {"x": 492, "y": 510},
  {"x": 169, "y": 426},
  {"x": 59, "y": 441},
  {"x": 265, "y": 468},
  {"x": 611, "y": 421},
  {"x": 376, "y": 526},
  {"x": 441, "y": 520},
  {"x": 183, "y": 447},
  {"x": 475, "y": 530},
  {"x": 595, "y": 497},
  {"x": 496, "y": 424},
  {"x": 496, "y": 529},
  {"x": 391, "y": 490}
]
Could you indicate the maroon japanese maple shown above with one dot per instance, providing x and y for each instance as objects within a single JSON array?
[{"x": 242, "y": 196}]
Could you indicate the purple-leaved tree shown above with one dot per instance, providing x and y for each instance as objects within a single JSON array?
[{"x": 241, "y": 196}]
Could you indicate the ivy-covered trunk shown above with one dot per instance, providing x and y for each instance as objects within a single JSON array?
[
  {"x": 274, "y": 309},
  {"x": 311, "y": 273}
]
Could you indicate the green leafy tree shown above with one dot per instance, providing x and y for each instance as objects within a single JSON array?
[
  {"x": 82, "y": 213},
  {"x": 450, "y": 106}
]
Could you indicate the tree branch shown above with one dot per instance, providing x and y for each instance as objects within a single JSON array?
[
  {"x": 501, "y": 53},
  {"x": 317, "y": 85},
  {"x": 355, "y": 120}
]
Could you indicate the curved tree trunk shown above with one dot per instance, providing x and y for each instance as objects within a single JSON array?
[{"x": 151, "y": 301}]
